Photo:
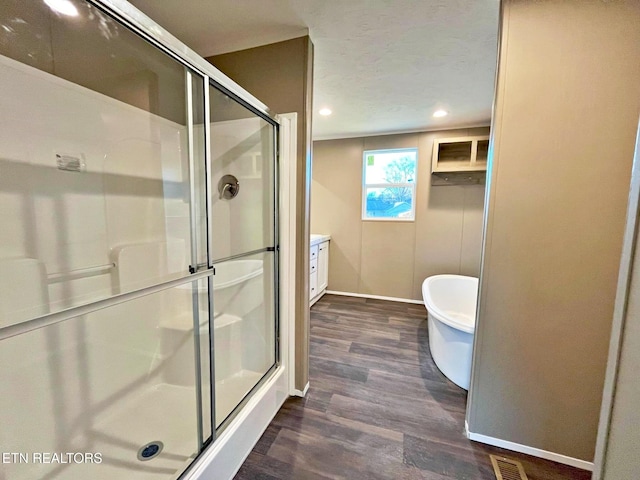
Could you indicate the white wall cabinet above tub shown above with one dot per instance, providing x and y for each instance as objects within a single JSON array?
[
  {"x": 319, "y": 268},
  {"x": 460, "y": 154}
]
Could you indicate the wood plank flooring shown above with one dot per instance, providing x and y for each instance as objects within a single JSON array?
[{"x": 377, "y": 407}]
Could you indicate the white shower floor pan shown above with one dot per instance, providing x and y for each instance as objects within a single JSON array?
[
  {"x": 165, "y": 413},
  {"x": 231, "y": 391}
]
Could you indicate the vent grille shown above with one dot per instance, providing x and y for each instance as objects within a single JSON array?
[{"x": 507, "y": 469}]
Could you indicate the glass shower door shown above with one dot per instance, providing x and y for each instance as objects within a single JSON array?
[
  {"x": 244, "y": 249},
  {"x": 138, "y": 249},
  {"x": 104, "y": 330}
]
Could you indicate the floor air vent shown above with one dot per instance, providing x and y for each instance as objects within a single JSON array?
[{"x": 507, "y": 469}]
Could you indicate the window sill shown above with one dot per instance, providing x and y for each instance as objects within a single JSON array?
[{"x": 388, "y": 219}]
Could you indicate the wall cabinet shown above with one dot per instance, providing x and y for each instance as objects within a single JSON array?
[
  {"x": 319, "y": 267},
  {"x": 460, "y": 154}
]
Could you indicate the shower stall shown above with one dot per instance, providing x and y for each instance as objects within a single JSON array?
[{"x": 138, "y": 245}]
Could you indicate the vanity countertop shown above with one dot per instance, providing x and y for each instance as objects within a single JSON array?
[{"x": 317, "y": 238}]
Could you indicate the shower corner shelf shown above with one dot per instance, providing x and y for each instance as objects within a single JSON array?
[{"x": 460, "y": 154}]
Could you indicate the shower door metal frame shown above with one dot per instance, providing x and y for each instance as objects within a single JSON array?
[
  {"x": 145, "y": 27},
  {"x": 193, "y": 225},
  {"x": 275, "y": 248},
  {"x": 117, "y": 299}
]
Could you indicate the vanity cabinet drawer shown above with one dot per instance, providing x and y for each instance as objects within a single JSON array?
[
  {"x": 313, "y": 285},
  {"x": 313, "y": 253},
  {"x": 314, "y": 266}
]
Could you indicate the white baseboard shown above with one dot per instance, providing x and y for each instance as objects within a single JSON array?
[
  {"x": 300, "y": 393},
  {"x": 535, "y": 452},
  {"x": 375, "y": 297},
  {"x": 223, "y": 459}
]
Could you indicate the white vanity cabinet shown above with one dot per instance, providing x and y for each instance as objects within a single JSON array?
[
  {"x": 323, "y": 266},
  {"x": 319, "y": 267}
]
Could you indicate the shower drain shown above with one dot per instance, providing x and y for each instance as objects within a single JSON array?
[{"x": 149, "y": 451}]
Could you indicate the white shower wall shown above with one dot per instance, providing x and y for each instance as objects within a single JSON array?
[
  {"x": 236, "y": 149},
  {"x": 72, "y": 220}
]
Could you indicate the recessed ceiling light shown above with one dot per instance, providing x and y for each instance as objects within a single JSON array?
[
  {"x": 65, "y": 7},
  {"x": 325, "y": 111},
  {"x": 440, "y": 113}
]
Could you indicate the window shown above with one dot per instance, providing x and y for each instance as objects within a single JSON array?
[{"x": 389, "y": 184}]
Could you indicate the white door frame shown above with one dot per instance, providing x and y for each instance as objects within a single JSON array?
[
  {"x": 287, "y": 212},
  {"x": 619, "y": 315}
]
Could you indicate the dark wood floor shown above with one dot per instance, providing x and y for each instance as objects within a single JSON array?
[{"x": 377, "y": 408}]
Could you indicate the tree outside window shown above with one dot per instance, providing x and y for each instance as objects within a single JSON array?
[{"x": 389, "y": 184}]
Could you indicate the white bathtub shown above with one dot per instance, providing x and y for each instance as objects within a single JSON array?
[{"x": 451, "y": 305}]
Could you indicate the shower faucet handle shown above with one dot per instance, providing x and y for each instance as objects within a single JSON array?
[{"x": 228, "y": 187}]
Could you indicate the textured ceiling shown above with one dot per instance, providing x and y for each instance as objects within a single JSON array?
[{"x": 382, "y": 66}]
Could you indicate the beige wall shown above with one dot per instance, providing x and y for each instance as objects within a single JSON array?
[
  {"x": 567, "y": 106},
  {"x": 385, "y": 257},
  {"x": 281, "y": 75}
]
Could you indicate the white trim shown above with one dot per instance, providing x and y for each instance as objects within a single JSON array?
[
  {"x": 388, "y": 219},
  {"x": 491, "y": 172},
  {"x": 375, "y": 297},
  {"x": 223, "y": 459},
  {"x": 619, "y": 315},
  {"x": 287, "y": 175},
  {"x": 536, "y": 452},
  {"x": 300, "y": 393}
]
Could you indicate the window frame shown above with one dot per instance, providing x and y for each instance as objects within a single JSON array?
[{"x": 411, "y": 185}]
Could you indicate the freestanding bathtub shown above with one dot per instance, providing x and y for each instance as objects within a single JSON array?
[{"x": 451, "y": 305}]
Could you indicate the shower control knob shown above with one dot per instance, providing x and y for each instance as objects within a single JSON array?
[{"x": 228, "y": 187}]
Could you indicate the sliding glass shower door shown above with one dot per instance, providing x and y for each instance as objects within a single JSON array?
[
  {"x": 244, "y": 248},
  {"x": 138, "y": 249},
  {"x": 102, "y": 331}
]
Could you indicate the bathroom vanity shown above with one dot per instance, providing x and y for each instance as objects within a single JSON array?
[{"x": 319, "y": 268}]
